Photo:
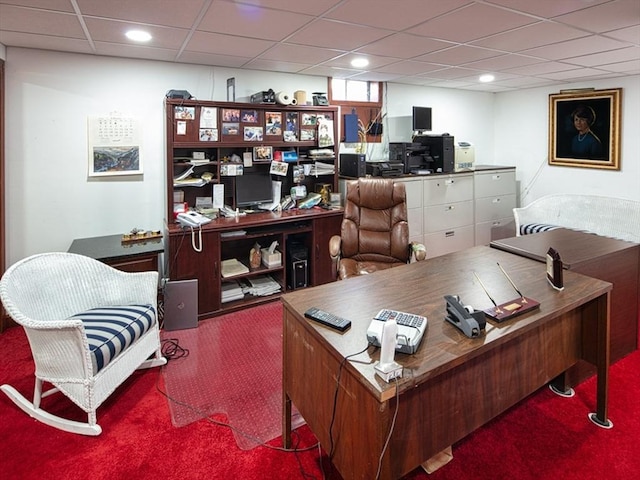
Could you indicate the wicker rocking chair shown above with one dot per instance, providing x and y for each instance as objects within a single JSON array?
[{"x": 89, "y": 326}]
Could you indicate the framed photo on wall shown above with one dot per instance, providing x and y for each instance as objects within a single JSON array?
[{"x": 584, "y": 128}]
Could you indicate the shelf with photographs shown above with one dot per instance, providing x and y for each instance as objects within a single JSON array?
[{"x": 209, "y": 143}]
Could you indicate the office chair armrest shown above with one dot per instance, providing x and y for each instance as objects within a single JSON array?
[{"x": 418, "y": 252}]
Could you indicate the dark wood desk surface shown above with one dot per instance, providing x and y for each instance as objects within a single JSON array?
[
  {"x": 574, "y": 247},
  {"x": 453, "y": 384},
  {"x": 110, "y": 247},
  {"x": 608, "y": 259}
]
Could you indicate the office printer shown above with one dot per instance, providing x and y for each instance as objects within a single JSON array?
[{"x": 385, "y": 169}]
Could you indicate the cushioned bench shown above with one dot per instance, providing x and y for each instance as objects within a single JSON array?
[{"x": 607, "y": 216}]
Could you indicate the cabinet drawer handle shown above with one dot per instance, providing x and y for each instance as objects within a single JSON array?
[
  {"x": 496, "y": 177},
  {"x": 496, "y": 200},
  {"x": 448, "y": 182},
  {"x": 449, "y": 234},
  {"x": 448, "y": 208}
]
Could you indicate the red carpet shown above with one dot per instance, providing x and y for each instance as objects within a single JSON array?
[{"x": 543, "y": 438}]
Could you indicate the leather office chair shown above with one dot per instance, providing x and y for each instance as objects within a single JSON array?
[{"x": 375, "y": 233}]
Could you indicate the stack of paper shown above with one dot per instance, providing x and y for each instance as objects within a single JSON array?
[
  {"x": 231, "y": 291},
  {"x": 233, "y": 267},
  {"x": 321, "y": 168},
  {"x": 262, "y": 286}
]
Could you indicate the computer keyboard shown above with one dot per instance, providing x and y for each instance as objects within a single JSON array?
[{"x": 411, "y": 328}]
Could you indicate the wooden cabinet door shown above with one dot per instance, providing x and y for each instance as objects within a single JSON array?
[
  {"x": 323, "y": 229},
  {"x": 186, "y": 263}
]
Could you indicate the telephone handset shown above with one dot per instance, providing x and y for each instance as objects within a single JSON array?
[{"x": 192, "y": 219}]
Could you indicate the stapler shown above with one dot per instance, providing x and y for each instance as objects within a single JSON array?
[{"x": 466, "y": 318}]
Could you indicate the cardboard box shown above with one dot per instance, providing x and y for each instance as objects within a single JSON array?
[{"x": 271, "y": 260}]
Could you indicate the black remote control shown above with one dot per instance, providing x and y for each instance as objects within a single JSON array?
[{"x": 328, "y": 319}]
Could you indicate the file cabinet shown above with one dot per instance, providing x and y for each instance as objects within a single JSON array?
[{"x": 495, "y": 199}]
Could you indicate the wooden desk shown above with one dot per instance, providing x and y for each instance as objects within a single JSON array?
[
  {"x": 130, "y": 257},
  {"x": 608, "y": 259},
  {"x": 453, "y": 384}
]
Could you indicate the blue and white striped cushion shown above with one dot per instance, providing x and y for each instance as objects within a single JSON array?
[
  {"x": 112, "y": 329},
  {"x": 535, "y": 228}
]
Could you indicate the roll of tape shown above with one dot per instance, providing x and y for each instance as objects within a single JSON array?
[
  {"x": 294, "y": 101},
  {"x": 283, "y": 98}
]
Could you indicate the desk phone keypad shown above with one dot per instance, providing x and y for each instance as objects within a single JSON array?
[{"x": 401, "y": 318}]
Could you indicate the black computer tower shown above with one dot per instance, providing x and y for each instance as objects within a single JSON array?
[
  {"x": 411, "y": 155},
  {"x": 353, "y": 165},
  {"x": 441, "y": 149},
  {"x": 297, "y": 266}
]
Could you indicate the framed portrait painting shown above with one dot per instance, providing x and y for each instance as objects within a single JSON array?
[{"x": 584, "y": 128}]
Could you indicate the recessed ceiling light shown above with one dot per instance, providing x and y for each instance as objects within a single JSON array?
[
  {"x": 359, "y": 62},
  {"x": 487, "y": 78},
  {"x": 138, "y": 36}
]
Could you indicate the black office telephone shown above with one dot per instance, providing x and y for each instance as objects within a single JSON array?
[{"x": 471, "y": 321}]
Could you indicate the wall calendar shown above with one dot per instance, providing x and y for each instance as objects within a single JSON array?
[{"x": 114, "y": 146}]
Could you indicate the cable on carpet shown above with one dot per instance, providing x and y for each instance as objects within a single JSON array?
[{"x": 171, "y": 350}]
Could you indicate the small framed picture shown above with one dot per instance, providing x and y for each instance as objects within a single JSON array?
[
  {"x": 309, "y": 119},
  {"x": 263, "y": 153},
  {"x": 230, "y": 128},
  {"x": 230, "y": 115},
  {"x": 249, "y": 116},
  {"x": 253, "y": 134},
  {"x": 184, "y": 113},
  {"x": 307, "y": 135},
  {"x": 273, "y": 123}
]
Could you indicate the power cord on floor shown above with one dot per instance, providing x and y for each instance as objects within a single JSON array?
[{"x": 171, "y": 350}]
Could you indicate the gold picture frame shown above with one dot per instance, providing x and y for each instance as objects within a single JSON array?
[{"x": 584, "y": 128}]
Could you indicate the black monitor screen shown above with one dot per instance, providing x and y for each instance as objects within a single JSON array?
[
  {"x": 422, "y": 118},
  {"x": 253, "y": 189}
]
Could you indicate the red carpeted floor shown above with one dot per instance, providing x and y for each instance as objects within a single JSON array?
[{"x": 545, "y": 437}]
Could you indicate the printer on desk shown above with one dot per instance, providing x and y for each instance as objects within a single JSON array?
[{"x": 385, "y": 169}]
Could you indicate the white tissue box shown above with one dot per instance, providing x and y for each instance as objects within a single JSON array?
[{"x": 271, "y": 260}]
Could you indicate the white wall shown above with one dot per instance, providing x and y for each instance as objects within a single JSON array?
[
  {"x": 49, "y": 95},
  {"x": 520, "y": 121}
]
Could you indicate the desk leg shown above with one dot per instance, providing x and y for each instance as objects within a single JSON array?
[
  {"x": 286, "y": 421},
  {"x": 602, "y": 362}
]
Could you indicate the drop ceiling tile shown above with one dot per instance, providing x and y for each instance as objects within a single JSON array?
[
  {"x": 404, "y": 45},
  {"x": 453, "y": 73},
  {"x": 540, "y": 68},
  {"x": 154, "y": 12},
  {"x": 547, "y": 8},
  {"x": 251, "y": 21},
  {"x": 471, "y": 23},
  {"x": 46, "y": 42},
  {"x": 215, "y": 43},
  {"x": 375, "y": 76},
  {"x": 327, "y": 71},
  {"x": 570, "y": 75},
  {"x": 575, "y": 48},
  {"x": 316, "y": 7},
  {"x": 113, "y": 31},
  {"x": 524, "y": 82},
  {"x": 503, "y": 62},
  {"x": 397, "y": 16},
  {"x": 629, "y": 34},
  {"x": 200, "y": 58},
  {"x": 54, "y": 24},
  {"x": 276, "y": 66},
  {"x": 332, "y": 34},
  {"x": 134, "y": 51},
  {"x": 604, "y": 58},
  {"x": 375, "y": 61},
  {"x": 409, "y": 67},
  {"x": 531, "y": 36},
  {"x": 300, "y": 54},
  {"x": 632, "y": 67},
  {"x": 459, "y": 55},
  {"x": 57, "y": 5},
  {"x": 605, "y": 17}
]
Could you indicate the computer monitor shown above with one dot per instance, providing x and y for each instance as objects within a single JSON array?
[
  {"x": 253, "y": 189},
  {"x": 422, "y": 119}
]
